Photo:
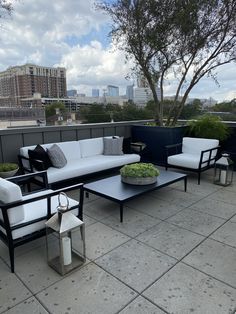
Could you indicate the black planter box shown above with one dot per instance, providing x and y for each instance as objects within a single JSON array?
[
  {"x": 229, "y": 146},
  {"x": 156, "y": 138}
]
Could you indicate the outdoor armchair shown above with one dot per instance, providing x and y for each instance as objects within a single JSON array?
[
  {"x": 23, "y": 214},
  {"x": 194, "y": 154}
]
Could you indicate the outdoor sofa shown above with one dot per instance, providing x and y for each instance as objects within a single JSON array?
[{"x": 81, "y": 158}]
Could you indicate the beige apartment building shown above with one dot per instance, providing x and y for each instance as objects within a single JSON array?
[{"x": 19, "y": 83}]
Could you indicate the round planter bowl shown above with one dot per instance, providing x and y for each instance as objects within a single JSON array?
[
  {"x": 7, "y": 174},
  {"x": 139, "y": 181}
]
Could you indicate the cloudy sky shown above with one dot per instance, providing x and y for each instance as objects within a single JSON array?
[{"x": 74, "y": 35}]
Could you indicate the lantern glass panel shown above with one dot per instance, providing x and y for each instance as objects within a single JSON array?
[
  {"x": 53, "y": 249},
  {"x": 66, "y": 250}
]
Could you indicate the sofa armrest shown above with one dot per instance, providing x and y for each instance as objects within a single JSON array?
[
  {"x": 207, "y": 161},
  {"x": 24, "y": 169},
  {"x": 33, "y": 164}
]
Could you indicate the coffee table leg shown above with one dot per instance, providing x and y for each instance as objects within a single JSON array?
[
  {"x": 121, "y": 212},
  {"x": 185, "y": 184}
]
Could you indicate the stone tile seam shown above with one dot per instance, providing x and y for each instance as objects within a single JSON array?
[
  {"x": 147, "y": 300},
  {"x": 208, "y": 275}
]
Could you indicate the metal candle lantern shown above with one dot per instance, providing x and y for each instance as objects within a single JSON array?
[
  {"x": 65, "y": 239},
  {"x": 223, "y": 171}
]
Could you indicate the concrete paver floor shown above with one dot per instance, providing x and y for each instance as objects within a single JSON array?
[{"x": 174, "y": 253}]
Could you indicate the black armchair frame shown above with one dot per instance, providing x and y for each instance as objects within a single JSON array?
[
  {"x": 203, "y": 164},
  {"x": 5, "y": 224}
]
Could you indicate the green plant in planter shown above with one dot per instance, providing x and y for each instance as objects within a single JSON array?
[
  {"x": 5, "y": 167},
  {"x": 209, "y": 126},
  {"x": 139, "y": 170}
]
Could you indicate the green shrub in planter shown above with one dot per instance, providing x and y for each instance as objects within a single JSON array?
[
  {"x": 209, "y": 126},
  {"x": 4, "y": 167},
  {"x": 141, "y": 170},
  {"x": 8, "y": 169}
]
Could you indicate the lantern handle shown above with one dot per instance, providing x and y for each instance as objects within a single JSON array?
[{"x": 59, "y": 200}]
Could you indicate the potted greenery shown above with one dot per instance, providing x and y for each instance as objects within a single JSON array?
[
  {"x": 139, "y": 173},
  {"x": 8, "y": 169},
  {"x": 209, "y": 126}
]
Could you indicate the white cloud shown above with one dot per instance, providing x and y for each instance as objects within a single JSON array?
[
  {"x": 65, "y": 33},
  {"x": 94, "y": 65},
  {"x": 43, "y": 27}
]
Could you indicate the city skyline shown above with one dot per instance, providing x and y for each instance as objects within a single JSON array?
[{"x": 78, "y": 41}]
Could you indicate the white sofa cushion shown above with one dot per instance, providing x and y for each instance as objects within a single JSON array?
[
  {"x": 91, "y": 147},
  {"x": 89, "y": 165},
  {"x": 11, "y": 192},
  {"x": 192, "y": 145},
  {"x": 38, "y": 209},
  {"x": 70, "y": 149}
]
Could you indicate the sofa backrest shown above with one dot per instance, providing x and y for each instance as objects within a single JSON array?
[
  {"x": 91, "y": 147},
  {"x": 192, "y": 145},
  {"x": 71, "y": 150},
  {"x": 10, "y": 192}
]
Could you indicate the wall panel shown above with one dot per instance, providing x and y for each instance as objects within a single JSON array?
[{"x": 13, "y": 138}]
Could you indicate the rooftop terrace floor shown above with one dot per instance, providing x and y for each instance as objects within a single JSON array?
[{"x": 175, "y": 252}]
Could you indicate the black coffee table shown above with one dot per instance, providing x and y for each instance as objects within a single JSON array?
[{"x": 113, "y": 189}]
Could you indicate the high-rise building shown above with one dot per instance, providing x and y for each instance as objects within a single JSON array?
[
  {"x": 130, "y": 92},
  {"x": 24, "y": 81},
  {"x": 112, "y": 91},
  {"x": 71, "y": 92},
  {"x": 142, "y": 95},
  {"x": 95, "y": 92}
]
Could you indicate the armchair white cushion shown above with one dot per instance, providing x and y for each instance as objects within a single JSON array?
[
  {"x": 184, "y": 160},
  {"x": 38, "y": 209},
  {"x": 194, "y": 146},
  {"x": 11, "y": 192}
]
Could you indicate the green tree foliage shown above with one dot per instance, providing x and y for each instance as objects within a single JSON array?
[
  {"x": 189, "y": 39},
  {"x": 226, "y": 106},
  {"x": 50, "y": 110},
  {"x": 209, "y": 126},
  {"x": 191, "y": 111},
  {"x": 106, "y": 113},
  {"x": 95, "y": 113}
]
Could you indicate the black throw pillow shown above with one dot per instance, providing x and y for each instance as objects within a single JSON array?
[
  {"x": 40, "y": 154},
  {"x": 127, "y": 145}
]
